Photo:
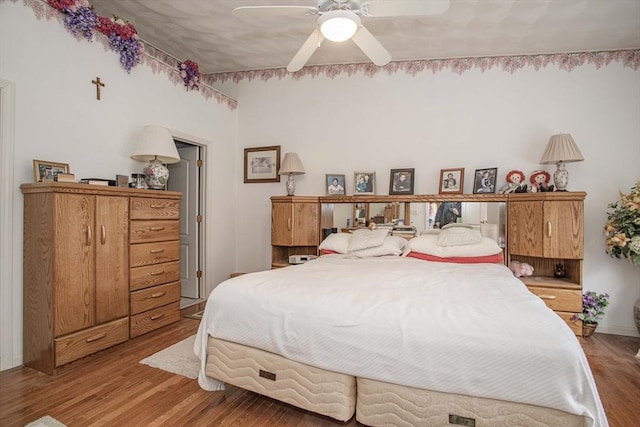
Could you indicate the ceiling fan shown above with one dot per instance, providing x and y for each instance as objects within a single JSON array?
[{"x": 339, "y": 20}]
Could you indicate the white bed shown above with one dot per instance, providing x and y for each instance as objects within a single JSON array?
[{"x": 469, "y": 330}]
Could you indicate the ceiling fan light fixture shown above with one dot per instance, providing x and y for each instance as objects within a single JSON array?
[{"x": 339, "y": 25}]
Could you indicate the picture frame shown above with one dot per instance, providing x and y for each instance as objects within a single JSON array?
[
  {"x": 451, "y": 181},
  {"x": 484, "y": 181},
  {"x": 335, "y": 184},
  {"x": 262, "y": 164},
  {"x": 44, "y": 170},
  {"x": 360, "y": 214},
  {"x": 122, "y": 180},
  {"x": 364, "y": 183},
  {"x": 401, "y": 181}
]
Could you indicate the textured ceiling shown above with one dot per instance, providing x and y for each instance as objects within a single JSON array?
[{"x": 205, "y": 31}]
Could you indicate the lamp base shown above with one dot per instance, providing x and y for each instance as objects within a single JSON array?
[
  {"x": 561, "y": 177},
  {"x": 291, "y": 185},
  {"x": 156, "y": 175}
]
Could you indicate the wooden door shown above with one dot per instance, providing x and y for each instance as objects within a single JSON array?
[
  {"x": 282, "y": 224},
  {"x": 525, "y": 228},
  {"x": 73, "y": 262},
  {"x": 112, "y": 258},
  {"x": 563, "y": 234},
  {"x": 305, "y": 224}
]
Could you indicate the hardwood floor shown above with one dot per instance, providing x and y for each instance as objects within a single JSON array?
[{"x": 112, "y": 388}]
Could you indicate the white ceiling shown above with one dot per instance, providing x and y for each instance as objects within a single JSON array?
[{"x": 206, "y": 32}]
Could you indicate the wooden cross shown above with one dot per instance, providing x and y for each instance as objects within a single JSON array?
[{"x": 98, "y": 83}]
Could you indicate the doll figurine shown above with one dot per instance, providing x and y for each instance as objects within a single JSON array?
[
  {"x": 540, "y": 181},
  {"x": 515, "y": 183}
]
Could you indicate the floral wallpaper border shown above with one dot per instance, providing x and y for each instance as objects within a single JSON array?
[
  {"x": 564, "y": 61},
  {"x": 157, "y": 60}
]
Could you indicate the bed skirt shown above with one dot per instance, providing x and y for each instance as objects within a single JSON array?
[{"x": 377, "y": 403}]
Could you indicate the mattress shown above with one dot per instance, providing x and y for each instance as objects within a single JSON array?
[
  {"x": 327, "y": 393},
  {"x": 471, "y": 330}
]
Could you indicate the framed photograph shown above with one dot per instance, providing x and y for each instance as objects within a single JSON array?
[
  {"x": 360, "y": 214},
  {"x": 335, "y": 184},
  {"x": 401, "y": 181},
  {"x": 364, "y": 183},
  {"x": 451, "y": 181},
  {"x": 485, "y": 181},
  {"x": 122, "y": 180},
  {"x": 45, "y": 170},
  {"x": 261, "y": 164}
]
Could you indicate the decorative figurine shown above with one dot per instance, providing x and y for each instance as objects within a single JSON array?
[
  {"x": 540, "y": 181},
  {"x": 515, "y": 183},
  {"x": 520, "y": 269},
  {"x": 560, "y": 271}
]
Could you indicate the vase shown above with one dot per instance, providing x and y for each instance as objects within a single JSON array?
[
  {"x": 636, "y": 314},
  {"x": 588, "y": 329}
]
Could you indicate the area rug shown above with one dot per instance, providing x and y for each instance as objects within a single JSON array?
[
  {"x": 45, "y": 421},
  {"x": 178, "y": 359}
]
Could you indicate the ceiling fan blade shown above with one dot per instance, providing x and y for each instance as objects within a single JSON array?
[
  {"x": 371, "y": 47},
  {"x": 379, "y": 8},
  {"x": 305, "y": 52},
  {"x": 262, "y": 11}
]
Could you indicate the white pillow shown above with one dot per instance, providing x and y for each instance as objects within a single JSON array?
[
  {"x": 455, "y": 236},
  {"x": 428, "y": 244},
  {"x": 365, "y": 238},
  {"x": 336, "y": 242},
  {"x": 392, "y": 245}
]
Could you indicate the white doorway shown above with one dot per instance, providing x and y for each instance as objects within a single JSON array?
[{"x": 186, "y": 177}]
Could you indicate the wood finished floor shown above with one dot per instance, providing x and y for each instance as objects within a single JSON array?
[{"x": 112, "y": 389}]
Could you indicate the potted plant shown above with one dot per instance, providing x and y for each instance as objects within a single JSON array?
[
  {"x": 593, "y": 305},
  {"x": 622, "y": 233}
]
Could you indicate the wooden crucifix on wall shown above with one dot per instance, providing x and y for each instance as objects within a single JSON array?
[{"x": 98, "y": 83}]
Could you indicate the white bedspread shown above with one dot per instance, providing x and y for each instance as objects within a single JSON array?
[{"x": 470, "y": 329}]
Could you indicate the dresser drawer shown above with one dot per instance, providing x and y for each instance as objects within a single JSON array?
[
  {"x": 143, "y": 254},
  {"x": 157, "y": 296},
  {"x": 152, "y": 275},
  {"x": 149, "y": 208},
  {"x": 83, "y": 343},
  {"x": 154, "y": 231},
  {"x": 154, "y": 319},
  {"x": 559, "y": 299}
]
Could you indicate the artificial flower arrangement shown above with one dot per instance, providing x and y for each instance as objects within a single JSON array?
[
  {"x": 190, "y": 74},
  {"x": 622, "y": 230},
  {"x": 593, "y": 305},
  {"x": 123, "y": 38}
]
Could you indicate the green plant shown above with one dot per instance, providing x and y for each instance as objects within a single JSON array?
[
  {"x": 622, "y": 230},
  {"x": 593, "y": 305}
]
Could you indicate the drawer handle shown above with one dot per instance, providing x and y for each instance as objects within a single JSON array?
[
  {"x": 156, "y": 206},
  {"x": 157, "y": 316},
  {"x": 156, "y": 251},
  {"x": 156, "y": 273},
  {"x": 549, "y": 229},
  {"x": 548, "y": 296},
  {"x": 89, "y": 235},
  {"x": 158, "y": 294},
  {"x": 104, "y": 234},
  {"x": 96, "y": 337},
  {"x": 156, "y": 228},
  {"x": 288, "y": 224}
]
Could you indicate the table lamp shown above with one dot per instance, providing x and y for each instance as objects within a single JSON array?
[
  {"x": 561, "y": 149},
  {"x": 155, "y": 145},
  {"x": 291, "y": 165}
]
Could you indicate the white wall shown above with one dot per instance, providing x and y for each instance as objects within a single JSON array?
[
  {"x": 443, "y": 120},
  {"x": 58, "y": 118}
]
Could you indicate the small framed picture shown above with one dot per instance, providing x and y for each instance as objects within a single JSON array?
[
  {"x": 451, "y": 181},
  {"x": 45, "y": 170},
  {"x": 401, "y": 181},
  {"x": 360, "y": 214},
  {"x": 335, "y": 184},
  {"x": 122, "y": 180},
  {"x": 485, "y": 181},
  {"x": 261, "y": 164},
  {"x": 364, "y": 183}
]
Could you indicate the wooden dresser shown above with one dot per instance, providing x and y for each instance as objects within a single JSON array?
[
  {"x": 77, "y": 251},
  {"x": 295, "y": 228}
]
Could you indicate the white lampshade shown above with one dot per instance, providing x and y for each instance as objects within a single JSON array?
[
  {"x": 155, "y": 145},
  {"x": 155, "y": 142},
  {"x": 339, "y": 25},
  {"x": 291, "y": 165},
  {"x": 561, "y": 148}
]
